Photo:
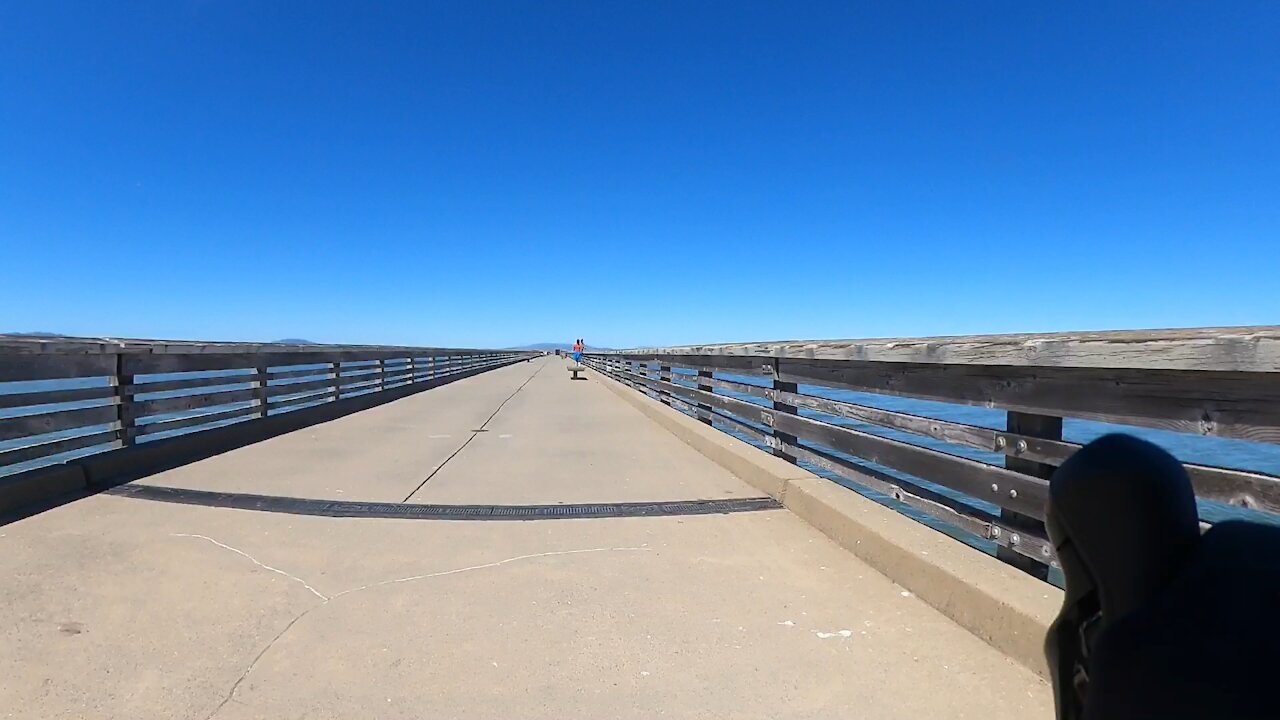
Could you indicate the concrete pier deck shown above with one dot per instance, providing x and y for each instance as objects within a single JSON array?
[{"x": 123, "y": 607}]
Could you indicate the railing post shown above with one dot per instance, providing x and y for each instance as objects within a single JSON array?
[
  {"x": 781, "y": 407},
  {"x": 382, "y": 374},
  {"x": 410, "y": 368},
  {"x": 337, "y": 378},
  {"x": 664, "y": 374},
  {"x": 260, "y": 386},
  {"x": 705, "y": 388},
  {"x": 1040, "y": 426},
  {"x": 124, "y": 403}
]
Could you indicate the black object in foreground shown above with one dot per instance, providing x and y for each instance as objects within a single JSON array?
[{"x": 1157, "y": 621}]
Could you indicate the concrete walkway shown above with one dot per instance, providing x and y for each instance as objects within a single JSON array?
[{"x": 118, "y": 607}]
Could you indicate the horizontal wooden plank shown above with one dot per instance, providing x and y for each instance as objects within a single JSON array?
[
  {"x": 286, "y": 374},
  {"x": 146, "y": 408},
  {"x": 939, "y": 507},
  {"x": 191, "y": 421},
  {"x": 349, "y": 382},
  {"x": 1238, "y": 405},
  {"x": 972, "y": 519},
  {"x": 28, "y": 425},
  {"x": 323, "y": 395},
  {"x": 991, "y": 483},
  {"x": 139, "y": 364},
  {"x": 1240, "y": 349},
  {"x": 1240, "y": 488},
  {"x": 187, "y": 383},
  {"x": 994, "y": 484},
  {"x": 81, "y": 345},
  {"x": 14, "y": 368},
  {"x": 936, "y": 505},
  {"x": 51, "y": 397},
  {"x": 1012, "y": 490},
  {"x": 297, "y": 387},
  {"x": 979, "y": 438},
  {"x": 14, "y": 456}
]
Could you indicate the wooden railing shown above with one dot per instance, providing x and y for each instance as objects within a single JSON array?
[
  {"x": 1211, "y": 382},
  {"x": 69, "y": 395}
]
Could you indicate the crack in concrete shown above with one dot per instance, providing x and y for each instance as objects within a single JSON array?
[
  {"x": 255, "y": 561},
  {"x": 483, "y": 428},
  {"x": 325, "y": 600}
]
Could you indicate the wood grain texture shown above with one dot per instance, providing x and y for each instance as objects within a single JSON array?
[
  {"x": 1240, "y": 488},
  {"x": 1238, "y": 349},
  {"x": 985, "y": 482},
  {"x": 1227, "y": 404},
  {"x": 1224, "y": 404},
  {"x": 941, "y": 507}
]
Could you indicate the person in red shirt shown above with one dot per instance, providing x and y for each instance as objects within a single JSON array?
[{"x": 578, "y": 347}]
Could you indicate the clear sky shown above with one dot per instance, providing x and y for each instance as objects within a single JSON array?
[{"x": 636, "y": 173}]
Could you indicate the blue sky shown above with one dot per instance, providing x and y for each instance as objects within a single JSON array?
[{"x": 636, "y": 173}]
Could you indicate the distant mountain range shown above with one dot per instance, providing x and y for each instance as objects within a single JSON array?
[{"x": 550, "y": 347}]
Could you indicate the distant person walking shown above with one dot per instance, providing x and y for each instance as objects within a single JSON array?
[{"x": 578, "y": 347}]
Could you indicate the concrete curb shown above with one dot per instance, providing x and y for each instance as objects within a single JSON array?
[{"x": 1006, "y": 608}]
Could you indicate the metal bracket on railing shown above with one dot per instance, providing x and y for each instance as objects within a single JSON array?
[
  {"x": 1023, "y": 544},
  {"x": 769, "y": 370}
]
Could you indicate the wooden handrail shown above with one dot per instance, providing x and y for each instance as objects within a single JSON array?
[
  {"x": 1209, "y": 382},
  {"x": 140, "y": 388}
]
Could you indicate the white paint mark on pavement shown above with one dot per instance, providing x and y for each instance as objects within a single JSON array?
[
  {"x": 255, "y": 561},
  {"x": 838, "y": 633},
  {"x": 788, "y": 623}
]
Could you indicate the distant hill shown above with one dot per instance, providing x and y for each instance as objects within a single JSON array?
[
  {"x": 550, "y": 347},
  {"x": 35, "y": 333},
  {"x": 295, "y": 341}
]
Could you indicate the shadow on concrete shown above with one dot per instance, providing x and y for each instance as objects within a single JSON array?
[{"x": 411, "y": 511}]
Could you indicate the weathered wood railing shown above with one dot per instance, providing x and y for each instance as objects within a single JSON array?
[
  {"x": 65, "y": 395},
  {"x": 1211, "y": 382}
]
